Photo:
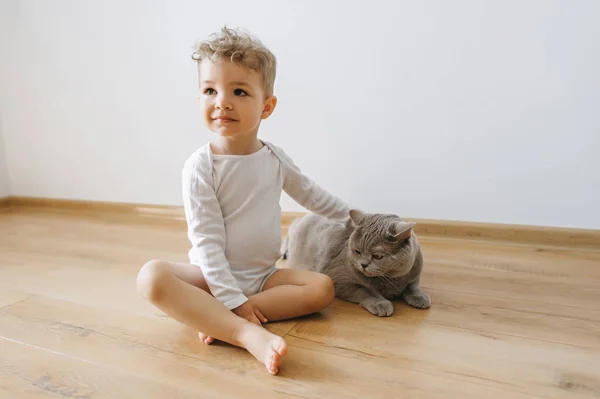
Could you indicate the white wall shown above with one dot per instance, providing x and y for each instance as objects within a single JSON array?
[
  {"x": 463, "y": 110},
  {"x": 5, "y": 30},
  {"x": 4, "y": 186}
]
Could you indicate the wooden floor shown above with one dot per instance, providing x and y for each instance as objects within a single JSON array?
[{"x": 507, "y": 321}]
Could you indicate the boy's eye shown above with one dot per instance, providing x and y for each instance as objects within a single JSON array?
[
  {"x": 209, "y": 91},
  {"x": 378, "y": 257},
  {"x": 239, "y": 92}
]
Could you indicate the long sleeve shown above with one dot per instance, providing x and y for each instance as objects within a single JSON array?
[
  {"x": 309, "y": 194},
  {"x": 206, "y": 232}
]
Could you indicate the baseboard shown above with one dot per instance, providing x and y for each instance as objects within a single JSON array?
[
  {"x": 151, "y": 213},
  {"x": 174, "y": 215},
  {"x": 100, "y": 206}
]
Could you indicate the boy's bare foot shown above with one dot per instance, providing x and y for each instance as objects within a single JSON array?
[
  {"x": 268, "y": 348},
  {"x": 205, "y": 338}
]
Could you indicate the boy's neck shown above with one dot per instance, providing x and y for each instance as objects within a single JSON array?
[{"x": 236, "y": 145}]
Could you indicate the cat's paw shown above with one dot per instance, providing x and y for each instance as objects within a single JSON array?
[
  {"x": 419, "y": 300},
  {"x": 380, "y": 308}
]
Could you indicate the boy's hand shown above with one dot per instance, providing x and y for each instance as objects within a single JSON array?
[{"x": 249, "y": 312}]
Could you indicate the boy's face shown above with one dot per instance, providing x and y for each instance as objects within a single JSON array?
[{"x": 233, "y": 98}]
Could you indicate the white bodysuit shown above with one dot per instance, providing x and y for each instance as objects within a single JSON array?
[{"x": 232, "y": 210}]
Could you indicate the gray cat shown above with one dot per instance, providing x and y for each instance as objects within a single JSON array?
[{"x": 372, "y": 259}]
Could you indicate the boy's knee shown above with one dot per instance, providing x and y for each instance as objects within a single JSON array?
[
  {"x": 325, "y": 291},
  {"x": 151, "y": 279}
]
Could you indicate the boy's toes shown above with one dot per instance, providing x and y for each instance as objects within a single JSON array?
[
  {"x": 279, "y": 351},
  {"x": 205, "y": 338},
  {"x": 273, "y": 363},
  {"x": 280, "y": 347}
]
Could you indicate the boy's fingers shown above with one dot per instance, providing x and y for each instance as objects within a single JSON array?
[
  {"x": 260, "y": 316},
  {"x": 253, "y": 319}
]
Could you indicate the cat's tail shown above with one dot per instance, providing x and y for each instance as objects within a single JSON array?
[
  {"x": 291, "y": 231},
  {"x": 285, "y": 247}
]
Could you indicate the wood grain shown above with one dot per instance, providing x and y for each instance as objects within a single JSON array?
[
  {"x": 8, "y": 297},
  {"x": 32, "y": 372},
  {"x": 83, "y": 333},
  {"x": 166, "y": 352},
  {"x": 498, "y": 360},
  {"x": 508, "y": 320}
]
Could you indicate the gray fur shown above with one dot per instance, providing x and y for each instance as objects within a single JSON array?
[{"x": 316, "y": 243}]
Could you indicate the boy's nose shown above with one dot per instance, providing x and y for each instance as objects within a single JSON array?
[{"x": 223, "y": 103}]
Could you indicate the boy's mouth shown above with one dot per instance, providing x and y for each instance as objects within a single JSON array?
[{"x": 222, "y": 118}]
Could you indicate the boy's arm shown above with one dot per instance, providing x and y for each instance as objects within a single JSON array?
[
  {"x": 310, "y": 195},
  {"x": 206, "y": 232}
]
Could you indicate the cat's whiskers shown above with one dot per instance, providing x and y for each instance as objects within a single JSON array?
[
  {"x": 388, "y": 279},
  {"x": 396, "y": 286},
  {"x": 378, "y": 270}
]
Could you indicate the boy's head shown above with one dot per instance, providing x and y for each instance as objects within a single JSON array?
[{"x": 236, "y": 78}]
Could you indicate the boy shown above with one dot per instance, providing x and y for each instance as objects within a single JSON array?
[{"x": 231, "y": 191}]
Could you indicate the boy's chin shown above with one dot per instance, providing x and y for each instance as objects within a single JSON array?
[
  {"x": 230, "y": 133},
  {"x": 224, "y": 132}
]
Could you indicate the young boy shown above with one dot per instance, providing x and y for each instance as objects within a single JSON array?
[{"x": 231, "y": 191}]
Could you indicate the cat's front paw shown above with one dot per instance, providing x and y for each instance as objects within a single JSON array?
[
  {"x": 418, "y": 300},
  {"x": 379, "y": 308}
]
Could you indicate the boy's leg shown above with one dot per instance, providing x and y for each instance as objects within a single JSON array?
[
  {"x": 192, "y": 275},
  {"x": 166, "y": 286},
  {"x": 291, "y": 293}
]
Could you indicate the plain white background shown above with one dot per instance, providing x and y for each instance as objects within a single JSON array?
[
  {"x": 462, "y": 110},
  {"x": 3, "y": 169}
]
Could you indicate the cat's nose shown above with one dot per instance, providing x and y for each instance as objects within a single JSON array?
[{"x": 364, "y": 265}]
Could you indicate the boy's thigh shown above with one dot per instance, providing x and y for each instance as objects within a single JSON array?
[
  {"x": 295, "y": 277},
  {"x": 191, "y": 274}
]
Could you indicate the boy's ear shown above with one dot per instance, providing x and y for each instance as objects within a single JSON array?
[{"x": 270, "y": 104}]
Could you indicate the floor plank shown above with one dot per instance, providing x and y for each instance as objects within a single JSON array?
[
  {"x": 413, "y": 343},
  {"x": 510, "y": 285},
  {"x": 8, "y": 296},
  {"x": 507, "y": 321},
  {"x": 544, "y": 322},
  {"x": 169, "y": 353},
  {"x": 78, "y": 332},
  {"x": 27, "y": 371},
  {"x": 506, "y": 257}
]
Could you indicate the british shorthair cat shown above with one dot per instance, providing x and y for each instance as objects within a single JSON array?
[{"x": 373, "y": 259}]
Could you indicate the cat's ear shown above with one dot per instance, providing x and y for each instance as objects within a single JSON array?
[
  {"x": 355, "y": 217},
  {"x": 402, "y": 230}
]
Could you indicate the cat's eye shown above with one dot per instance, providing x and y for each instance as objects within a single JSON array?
[
  {"x": 377, "y": 256},
  {"x": 357, "y": 251}
]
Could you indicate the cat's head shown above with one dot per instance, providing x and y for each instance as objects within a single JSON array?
[{"x": 381, "y": 244}]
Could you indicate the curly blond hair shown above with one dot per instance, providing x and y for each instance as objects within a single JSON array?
[{"x": 243, "y": 49}]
